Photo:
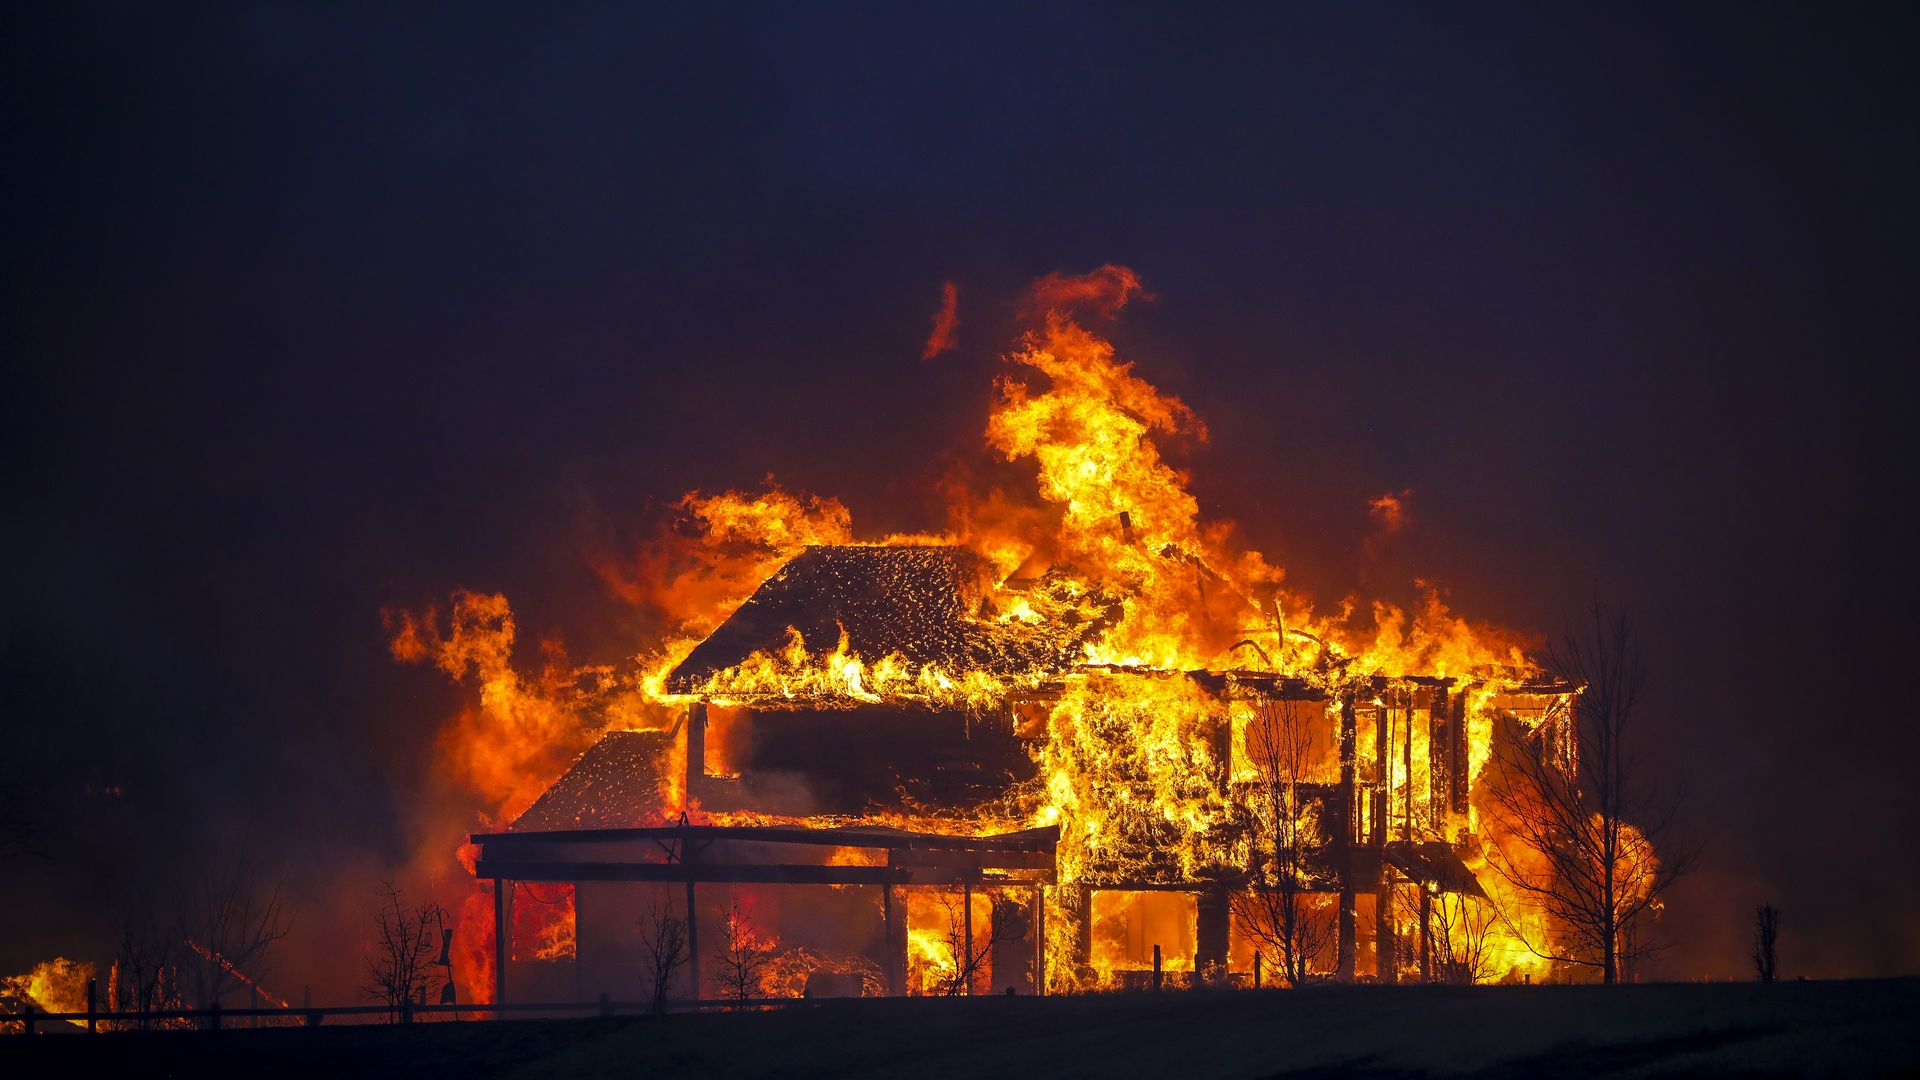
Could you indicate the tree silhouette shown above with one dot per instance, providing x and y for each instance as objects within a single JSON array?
[{"x": 1583, "y": 833}]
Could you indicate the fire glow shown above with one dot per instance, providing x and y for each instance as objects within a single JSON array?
[{"x": 1130, "y": 645}]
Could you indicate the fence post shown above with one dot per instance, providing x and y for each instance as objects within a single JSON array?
[
  {"x": 1256, "y": 971},
  {"x": 93, "y": 990},
  {"x": 213, "y": 1015},
  {"x": 406, "y": 1008},
  {"x": 1156, "y": 967},
  {"x": 27, "y": 1017}
]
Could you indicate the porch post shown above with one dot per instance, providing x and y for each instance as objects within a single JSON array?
[{"x": 502, "y": 937}]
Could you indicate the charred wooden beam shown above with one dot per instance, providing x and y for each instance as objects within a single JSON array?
[
  {"x": 1221, "y": 736},
  {"x": 1426, "y": 936},
  {"x": 1040, "y": 940},
  {"x": 896, "y": 947},
  {"x": 1343, "y": 843},
  {"x": 696, "y": 748},
  {"x": 1042, "y": 839},
  {"x": 1266, "y": 684},
  {"x": 1441, "y": 734},
  {"x": 1547, "y": 689},
  {"x": 1383, "y": 774},
  {"x": 1183, "y": 886},
  {"x": 967, "y": 959},
  {"x": 1406, "y": 767},
  {"x": 1388, "y": 970},
  {"x": 1083, "y": 929},
  {"x": 959, "y": 861},
  {"x": 502, "y": 936},
  {"x": 759, "y": 874},
  {"x": 1460, "y": 775}
]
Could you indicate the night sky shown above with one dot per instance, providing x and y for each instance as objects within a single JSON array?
[{"x": 312, "y": 310}]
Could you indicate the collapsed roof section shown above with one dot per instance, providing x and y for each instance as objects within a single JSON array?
[{"x": 924, "y": 604}]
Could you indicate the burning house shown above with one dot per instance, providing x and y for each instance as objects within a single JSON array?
[
  {"x": 1079, "y": 740},
  {"x": 906, "y": 780}
]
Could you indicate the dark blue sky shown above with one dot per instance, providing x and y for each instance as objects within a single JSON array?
[{"x": 311, "y": 310}]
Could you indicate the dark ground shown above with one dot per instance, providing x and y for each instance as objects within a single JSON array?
[{"x": 1728, "y": 1029}]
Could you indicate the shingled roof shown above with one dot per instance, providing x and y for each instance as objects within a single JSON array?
[
  {"x": 920, "y": 602},
  {"x": 616, "y": 784}
]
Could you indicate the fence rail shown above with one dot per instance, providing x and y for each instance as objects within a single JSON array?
[{"x": 211, "y": 1018}]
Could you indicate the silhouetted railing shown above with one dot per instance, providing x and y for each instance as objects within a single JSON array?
[{"x": 212, "y": 1019}]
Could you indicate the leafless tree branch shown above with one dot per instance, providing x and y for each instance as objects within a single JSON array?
[
  {"x": 1581, "y": 832},
  {"x": 663, "y": 949},
  {"x": 1277, "y": 908},
  {"x": 400, "y": 968}
]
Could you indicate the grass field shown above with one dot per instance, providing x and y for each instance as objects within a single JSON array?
[{"x": 1817, "y": 1028}]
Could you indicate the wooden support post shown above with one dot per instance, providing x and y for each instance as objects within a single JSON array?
[
  {"x": 1440, "y": 736},
  {"x": 502, "y": 935},
  {"x": 1383, "y": 773},
  {"x": 966, "y": 919},
  {"x": 93, "y": 1002},
  {"x": 1083, "y": 931},
  {"x": 1156, "y": 965},
  {"x": 1343, "y": 844},
  {"x": 1406, "y": 767},
  {"x": 1462, "y": 753},
  {"x": 1256, "y": 970},
  {"x": 253, "y": 1002},
  {"x": 1426, "y": 935},
  {"x": 696, "y": 752},
  {"x": 1387, "y": 966},
  {"x": 894, "y": 989},
  {"x": 1040, "y": 940}
]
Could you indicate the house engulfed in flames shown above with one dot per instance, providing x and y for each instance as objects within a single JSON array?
[{"x": 1034, "y": 755}]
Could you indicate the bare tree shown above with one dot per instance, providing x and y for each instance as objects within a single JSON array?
[
  {"x": 1582, "y": 833},
  {"x": 973, "y": 951},
  {"x": 145, "y": 973},
  {"x": 743, "y": 955},
  {"x": 400, "y": 967},
  {"x": 1278, "y": 909},
  {"x": 1460, "y": 926},
  {"x": 663, "y": 949},
  {"x": 1766, "y": 933},
  {"x": 230, "y": 920}
]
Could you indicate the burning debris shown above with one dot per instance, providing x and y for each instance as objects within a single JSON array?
[{"x": 1079, "y": 738}]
